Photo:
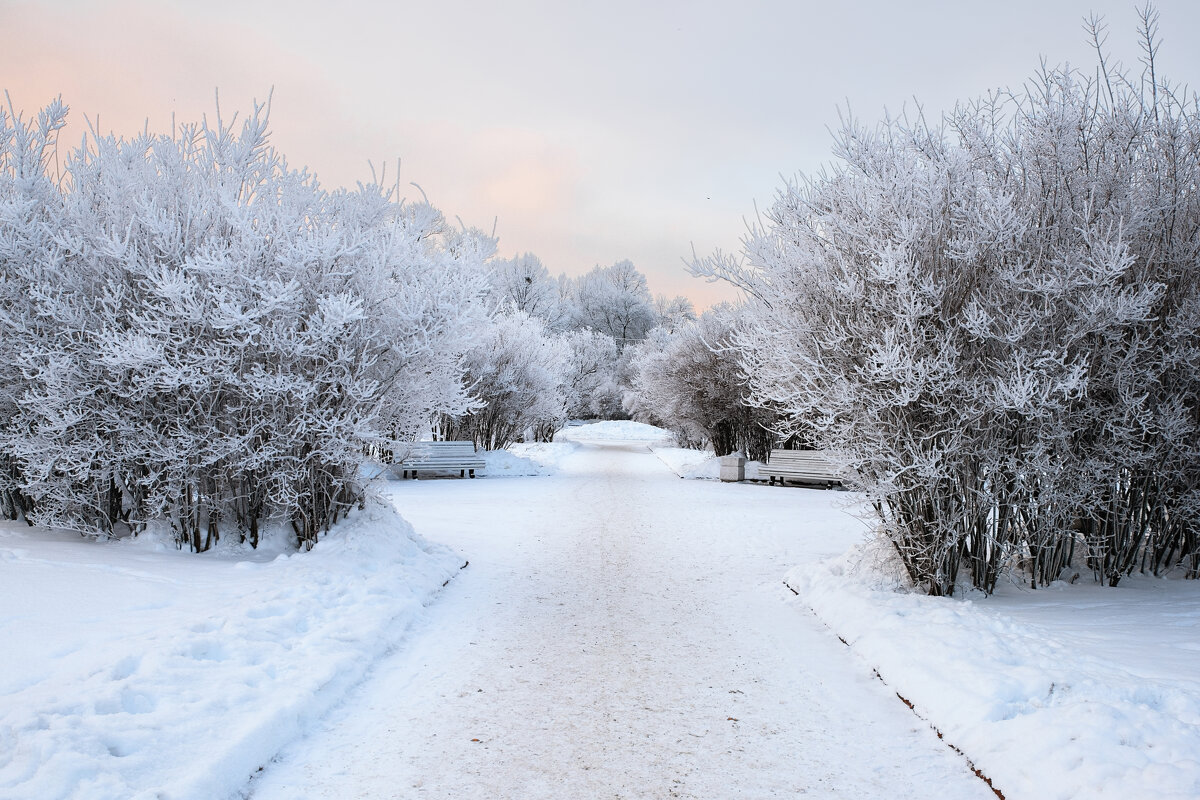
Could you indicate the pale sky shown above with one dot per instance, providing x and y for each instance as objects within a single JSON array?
[{"x": 590, "y": 132}]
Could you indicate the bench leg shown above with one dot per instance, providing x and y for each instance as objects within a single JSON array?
[
  {"x": 472, "y": 474},
  {"x": 462, "y": 473}
]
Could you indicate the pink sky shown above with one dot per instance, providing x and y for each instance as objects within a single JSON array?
[{"x": 589, "y": 133}]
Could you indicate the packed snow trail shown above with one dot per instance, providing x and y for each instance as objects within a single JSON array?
[{"x": 620, "y": 633}]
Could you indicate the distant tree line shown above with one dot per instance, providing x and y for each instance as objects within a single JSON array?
[
  {"x": 556, "y": 349},
  {"x": 619, "y": 353}
]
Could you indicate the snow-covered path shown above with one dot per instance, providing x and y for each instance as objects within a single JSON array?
[{"x": 621, "y": 633}]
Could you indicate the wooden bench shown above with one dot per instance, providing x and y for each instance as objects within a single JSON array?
[
  {"x": 801, "y": 466},
  {"x": 441, "y": 457}
]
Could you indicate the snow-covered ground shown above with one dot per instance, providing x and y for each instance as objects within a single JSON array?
[
  {"x": 131, "y": 670},
  {"x": 684, "y": 462},
  {"x": 619, "y": 632},
  {"x": 1075, "y": 691}
]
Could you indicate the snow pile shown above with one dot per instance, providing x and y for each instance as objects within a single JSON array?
[
  {"x": 687, "y": 463},
  {"x": 698, "y": 463},
  {"x": 507, "y": 464},
  {"x": 619, "y": 430},
  {"x": 131, "y": 670},
  {"x": 1057, "y": 708},
  {"x": 543, "y": 458},
  {"x": 526, "y": 460}
]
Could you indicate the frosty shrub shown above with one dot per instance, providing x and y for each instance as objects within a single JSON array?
[
  {"x": 592, "y": 388},
  {"x": 690, "y": 381},
  {"x": 30, "y": 206},
  {"x": 517, "y": 372},
  {"x": 207, "y": 337},
  {"x": 993, "y": 324}
]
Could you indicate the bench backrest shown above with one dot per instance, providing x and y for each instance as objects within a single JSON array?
[
  {"x": 444, "y": 448},
  {"x": 812, "y": 463},
  {"x": 442, "y": 452},
  {"x": 797, "y": 457}
]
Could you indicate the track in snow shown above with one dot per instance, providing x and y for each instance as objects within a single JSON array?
[{"x": 621, "y": 633}]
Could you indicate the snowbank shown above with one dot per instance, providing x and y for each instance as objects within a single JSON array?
[
  {"x": 507, "y": 464},
  {"x": 1066, "y": 701},
  {"x": 131, "y": 670},
  {"x": 698, "y": 463},
  {"x": 619, "y": 430},
  {"x": 688, "y": 463},
  {"x": 535, "y": 458}
]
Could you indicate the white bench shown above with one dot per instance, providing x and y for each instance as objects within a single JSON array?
[
  {"x": 441, "y": 457},
  {"x": 800, "y": 466}
]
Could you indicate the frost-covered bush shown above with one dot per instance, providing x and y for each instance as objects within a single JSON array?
[
  {"x": 30, "y": 206},
  {"x": 993, "y": 325},
  {"x": 1137, "y": 152},
  {"x": 592, "y": 388},
  {"x": 518, "y": 374},
  {"x": 211, "y": 339},
  {"x": 690, "y": 381}
]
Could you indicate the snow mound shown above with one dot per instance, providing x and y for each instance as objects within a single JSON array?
[
  {"x": 689, "y": 463},
  {"x": 506, "y": 464},
  {"x": 131, "y": 670},
  {"x": 614, "y": 431},
  {"x": 1043, "y": 713},
  {"x": 542, "y": 458},
  {"x": 701, "y": 464}
]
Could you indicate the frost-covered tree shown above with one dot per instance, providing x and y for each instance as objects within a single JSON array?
[
  {"x": 674, "y": 313},
  {"x": 592, "y": 388},
  {"x": 30, "y": 208},
  {"x": 518, "y": 373},
  {"x": 212, "y": 340},
  {"x": 523, "y": 283},
  {"x": 690, "y": 380},
  {"x": 993, "y": 324},
  {"x": 615, "y": 301}
]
